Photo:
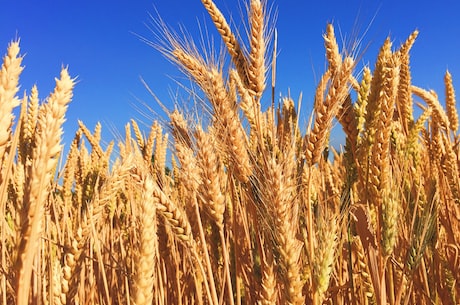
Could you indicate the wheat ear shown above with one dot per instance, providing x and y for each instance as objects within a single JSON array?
[
  {"x": 29, "y": 126},
  {"x": 333, "y": 56},
  {"x": 144, "y": 265},
  {"x": 9, "y": 78},
  {"x": 257, "y": 68},
  {"x": 404, "y": 99},
  {"x": 149, "y": 144},
  {"x": 232, "y": 44},
  {"x": 379, "y": 111},
  {"x": 324, "y": 257},
  {"x": 225, "y": 116},
  {"x": 362, "y": 270},
  {"x": 327, "y": 109},
  {"x": 361, "y": 102},
  {"x": 268, "y": 293},
  {"x": 161, "y": 146},
  {"x": 228, "y": 121},
  {"x": 37, "y": 185},
  {"x": 213, "y": 177},
  {"x": 180, "y": 128},
  {"x": 93, "y": 139},
  {"x": 412, "y": 145},
  {"x": 450, "y": 167},
  {"x": 439, "y": 115},
  {"x": 138, "y": 134},
  {"x": 382, "y": 124},
  {"x": 174, "y": 216},
  {"x": 277, "y": 182},
  {"x": 451, "y": 106},
  {"x": 348, "y": 119}
]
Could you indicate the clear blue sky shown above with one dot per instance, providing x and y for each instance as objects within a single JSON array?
[{"x": 95, "y": 39}]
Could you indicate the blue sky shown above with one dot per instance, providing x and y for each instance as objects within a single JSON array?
[{"x": 97, "y": 40}]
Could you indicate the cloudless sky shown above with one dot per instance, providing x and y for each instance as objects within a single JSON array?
[{"x": 98, "y": 41}]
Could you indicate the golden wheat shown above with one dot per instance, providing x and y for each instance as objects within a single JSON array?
[{"x": 241, "y": 205}]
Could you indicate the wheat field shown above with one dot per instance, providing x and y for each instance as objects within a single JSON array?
[{"x": 244, "y": 205}]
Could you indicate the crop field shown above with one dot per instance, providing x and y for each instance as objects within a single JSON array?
[{"x": 241, "y": 203}]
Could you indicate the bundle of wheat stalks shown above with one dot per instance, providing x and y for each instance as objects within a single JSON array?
[{"x": 255, "y": 207}]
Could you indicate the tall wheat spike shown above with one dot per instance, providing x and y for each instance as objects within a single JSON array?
[
  {"x": 404, "y": 99},
  {"x": 44, "y": 161},
  {"x": 257, "y": 69},
  {"x": 326, "y": 110},
  {"x": 145, "y": 256},
  {"x": 9, "y": 79},
  {"x": 451, "y": 104},
  {"x": 232, "y": 44}
]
